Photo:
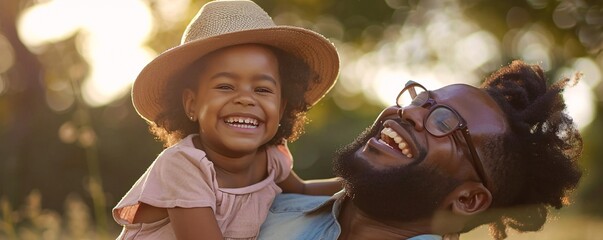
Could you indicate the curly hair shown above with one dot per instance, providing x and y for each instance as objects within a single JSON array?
[
  {"x": 172, "y": 124},
  {"x": 534, "y": 165}
]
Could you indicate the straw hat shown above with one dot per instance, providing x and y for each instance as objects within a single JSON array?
[{"x": 225, "y": 23}]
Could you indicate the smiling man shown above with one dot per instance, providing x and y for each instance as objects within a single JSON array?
[{"x": 443, "y": 162}]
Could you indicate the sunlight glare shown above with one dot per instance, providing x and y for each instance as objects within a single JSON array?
[
  {"x": 389, "y": 81},
  {"x": 115, "y": 51},
  {"x": 351, "y": 82},
  {"x": 111, "y": 75},
  {"x": 172, "y": 11},
  {"x": 591, "y": 71},
  {"x": 425, "y": 50},
  {"x": 130, "y": 22},
  {"x": 579, "y": 100},
  {"x": 111, "y": 40},
  {"x": 476, "y": 49},
  {"x": 387, "y": 84},
  {"x": 52, "y": 21}
]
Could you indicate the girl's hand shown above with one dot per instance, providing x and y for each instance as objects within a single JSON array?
[{"x": 294, "y": 184}]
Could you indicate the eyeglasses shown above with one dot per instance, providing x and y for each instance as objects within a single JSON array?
[{"x": 441, "y": 121}]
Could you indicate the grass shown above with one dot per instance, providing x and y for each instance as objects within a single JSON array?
[
  {"x": 564, "y": 227},
  {"x": 31, "y": 221}
]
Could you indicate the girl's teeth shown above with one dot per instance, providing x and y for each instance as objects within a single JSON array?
[
  {"x": 242, "y": 121},
  {"x": 402, "y": 145}
]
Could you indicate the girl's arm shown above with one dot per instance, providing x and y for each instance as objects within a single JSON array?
[
  {"x": 194, "y": 223},
  {"x": 294, "y": 184}
]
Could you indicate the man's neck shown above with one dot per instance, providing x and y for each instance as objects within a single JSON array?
[{"x": 357, "y": 225}]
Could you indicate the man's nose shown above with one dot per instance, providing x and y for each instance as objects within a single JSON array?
[{"x": 413, "y": 115}]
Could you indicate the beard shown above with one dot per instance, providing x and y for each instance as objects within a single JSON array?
[{"x": 404, "y": 193}]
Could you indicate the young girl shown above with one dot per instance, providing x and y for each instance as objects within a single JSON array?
[{"x": 225, "y": 101}]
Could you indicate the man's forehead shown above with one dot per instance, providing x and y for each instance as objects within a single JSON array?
[
  {"x": 453, "y": 90},
  {"x": 462, "y": 94},
  {"x": 482, "y": 113}
]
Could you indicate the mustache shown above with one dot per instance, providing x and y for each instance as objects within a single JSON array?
[
  {"x": 374, "y": 131},
  {"x": 396, "y": 189},
  {"x": 409, "y": 128}
]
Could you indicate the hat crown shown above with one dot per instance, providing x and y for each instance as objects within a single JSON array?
[
  {"x": 226, "y": 16},
  {"x": 224, "y": 23}
]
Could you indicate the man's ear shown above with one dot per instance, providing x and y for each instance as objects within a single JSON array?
[
  {"x": 459, "y": 206},
  {"x": 470, "y": 198}
]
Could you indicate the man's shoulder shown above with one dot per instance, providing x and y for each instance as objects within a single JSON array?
[
  {"x": 292, "y": 202},
  {"x": 297, "y": 216},
  {"x": 426, "y": 237}
]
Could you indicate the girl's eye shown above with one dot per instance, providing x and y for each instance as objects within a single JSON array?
[
  {"x": 264, "y": 90},
  {"x": 224, "y": 87}
]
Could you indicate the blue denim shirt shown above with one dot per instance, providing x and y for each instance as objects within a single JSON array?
[{"x": 301, "y": 217}]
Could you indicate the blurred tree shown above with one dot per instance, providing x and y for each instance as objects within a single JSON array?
[{"x": 21, "y": 106}]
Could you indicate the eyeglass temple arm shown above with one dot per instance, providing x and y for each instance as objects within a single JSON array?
[
  {"x": 475, "y": 159},
  {"x": 412, "y": 91}
]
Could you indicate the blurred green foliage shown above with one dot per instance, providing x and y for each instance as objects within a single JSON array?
[{"x": 113, "y": 141}]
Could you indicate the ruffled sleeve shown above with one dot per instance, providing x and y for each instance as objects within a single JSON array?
[
  {"x": 181, "y": 176},
  {"x": 280, "y": 162}
]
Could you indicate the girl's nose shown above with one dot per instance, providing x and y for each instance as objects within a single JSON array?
[{"x": 245, "y": 98}]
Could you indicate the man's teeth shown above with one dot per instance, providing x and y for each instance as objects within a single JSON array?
[
  {"x": 242, "y": 122},
  {"x": 388, "y": 134}
]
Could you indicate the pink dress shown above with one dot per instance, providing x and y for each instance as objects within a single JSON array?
[{"x": 182, "y": 176}]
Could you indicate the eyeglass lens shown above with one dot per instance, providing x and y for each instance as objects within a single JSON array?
[
  {"x": 441, "y": 121},
  {"x": 414, "y": 95}
]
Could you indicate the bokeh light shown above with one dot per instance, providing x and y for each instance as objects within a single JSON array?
[
  {"x": 580, "y": 99},
  {"x": 436, "y": 45},
  {"x": 7, "y": 59},
  {"x": 103, "y": 44},
  {"x": 427, "y": 50},
  {"x": 112, "y": 39}
]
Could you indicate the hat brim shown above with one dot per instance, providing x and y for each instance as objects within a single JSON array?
[{"x": 318, "y": 52}]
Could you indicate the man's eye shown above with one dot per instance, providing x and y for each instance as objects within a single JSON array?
[
  {"x": 419, "y": 100},
  {"x": 447, "y": 122},
  {"x": 443, "y": 126},
  {"x": 427, "y": 105}
]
